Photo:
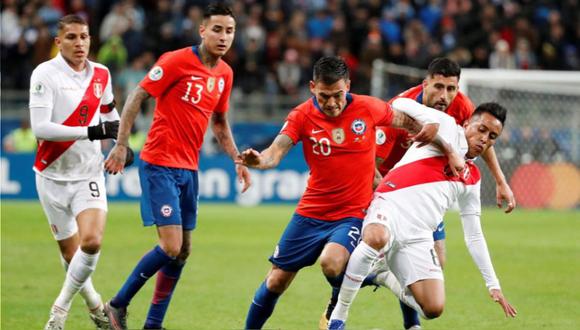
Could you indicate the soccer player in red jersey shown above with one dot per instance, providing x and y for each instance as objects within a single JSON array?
[
  {"x": 191, "y": 86},
  {"x": 439, "y": 90},
  {"x": 337, "y": 131}
]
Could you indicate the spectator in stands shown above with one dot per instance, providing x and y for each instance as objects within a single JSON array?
[
  {"x": 501, "y": 57},
  {"x": 21, "y": 139}
]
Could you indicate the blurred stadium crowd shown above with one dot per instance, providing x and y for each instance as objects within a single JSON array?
[{"x": 278, "y": 40}]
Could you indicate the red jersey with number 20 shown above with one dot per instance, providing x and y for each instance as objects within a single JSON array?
[
  {"x": 186, "y": 93},
  {"x": 392, "y": 143},
  {"x": 340, "y": 154}
]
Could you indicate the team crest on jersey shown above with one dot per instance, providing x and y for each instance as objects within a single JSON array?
[
  {"x": 98, "y": 90},
  {"x": 381, "y": 137},
  {"x": 358, "y": 127},
  {"x": 166, "y": 211},
  {"x": 156, "y": 73},
  {"x": 221, "y": 85},
  {"x": 338, "y": 135},
  {"x": 210, "y": 84}
]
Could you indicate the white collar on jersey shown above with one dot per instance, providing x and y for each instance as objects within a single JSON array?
[{"x": 88, "y": 72}]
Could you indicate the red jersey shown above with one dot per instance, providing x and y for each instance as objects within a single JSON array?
[
  {"x": 392, "y": 143},
  {"x": 186, "y": 94},
  {"x": 340, "y": 153}
]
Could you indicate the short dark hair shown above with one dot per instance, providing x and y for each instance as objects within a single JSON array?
[
  {"x": 444, "y": 67},
  {"x": 330, "y": 69},
  {"x": 218, "y": 8},
  {"x": 70, "y": 19},
  {"x": 494, "y": 109}
]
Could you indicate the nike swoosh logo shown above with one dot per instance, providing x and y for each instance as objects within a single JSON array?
[
  {"x": 196, "y": 78},
  {"x": 143, "y": 276},
  {"x": 314, "y": 131}
]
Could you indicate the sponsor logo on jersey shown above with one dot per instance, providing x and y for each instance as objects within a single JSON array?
[
  {"x": 156, "y": 73},
  {"x": 166, "y": 211},
  {"x": 381, "y": 137},
  {"x": 98, "y": 90},
  {"x": 38, "y": 88},
  {"x": 338, "y": 135},
  {"x": 358, "y": 127},
  {"x": 210, "y": 84},
  {"x": 221, "y": 85}
]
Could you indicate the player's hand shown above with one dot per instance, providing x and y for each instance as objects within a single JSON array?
[
  {"x": 249, "y": 158},
  {"x": 426, "y": 135},
  {"x": 104, "y": 130},
  {"x": 504, "y": 193},
  {"x": 498, "y": 297},
  {"x": 243, "y": 177},
  {"x": 456, "y": 163},
  {"x": 116, "y": 160}
]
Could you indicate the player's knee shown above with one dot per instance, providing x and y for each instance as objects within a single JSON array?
[
  {"x": 171, "y": 247},
  {"x": 433, "y": 310},
  {"x": 331, "y": 268},
  {"x": 376, "y": 236},
  {"x": 91, "y": 244},
  {"x": 277, "y": 284}
]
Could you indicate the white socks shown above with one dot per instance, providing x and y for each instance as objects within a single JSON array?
[
  {"x": 358, "y": 268},
  {"x": 88, "y": 291},
  {"x": 79, "y": 271}
]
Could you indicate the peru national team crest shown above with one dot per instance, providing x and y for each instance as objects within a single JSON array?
[
  {"x": 338, "y": 135},
  {"x": 98, "y": 90},
  {"x": 210, "y": 84},
  {"x": 358, "y": 127},
  {"x": 221, "y": 85}
]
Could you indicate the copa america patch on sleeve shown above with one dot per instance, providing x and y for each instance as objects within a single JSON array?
[
  {"x": 156, "y": 73},
  {"x": 38, "y": 88}
]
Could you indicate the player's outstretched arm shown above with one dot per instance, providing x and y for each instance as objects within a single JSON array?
[
  {"x": 223, "y": 134},
  {"x": 270, "y": 157},
  {"x": 116, "y": 159},
  {"x": 427, "y": 118},
  {"x": 498, "y": 297},
  {"x": 503, "y": 191}
]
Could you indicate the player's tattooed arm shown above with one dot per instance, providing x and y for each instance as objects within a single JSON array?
[
  {"x": 117, "y": 158},
  {"x": 270, "y": 157},
  {"x": 223, "y": 134}
]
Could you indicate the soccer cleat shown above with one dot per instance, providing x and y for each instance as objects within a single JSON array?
[
  {"x": 57, "y": 319},
  {"x": 99, "y": 318},
  {"x": 117, "y": 317},
  {"x": 336, "y": 325},
  {"x": 323, "y": 323}
]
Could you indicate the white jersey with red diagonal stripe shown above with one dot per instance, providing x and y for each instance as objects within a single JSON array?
[
  {"x": 420, "y": 190},
  {"x": 74, "y": 99}
]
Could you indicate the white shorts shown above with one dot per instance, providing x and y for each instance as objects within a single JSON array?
[
  {"x": 413, "y": 262},
  {"x": 62, "y": 202},
  {"x": 410, "y": 253}
]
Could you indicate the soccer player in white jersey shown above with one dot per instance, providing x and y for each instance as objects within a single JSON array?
[
  {"x": 71, "y": 108},
  {"x": 407, "y": 207}
]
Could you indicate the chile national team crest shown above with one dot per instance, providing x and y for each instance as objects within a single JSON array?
[
  {"x": 358, "y": 127},
  {"x": 98, "y": 90}
]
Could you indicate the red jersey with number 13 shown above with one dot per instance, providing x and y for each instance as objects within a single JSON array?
[
  {"x": 186, "y": 94},
  {"x": 340, "y": 152}
]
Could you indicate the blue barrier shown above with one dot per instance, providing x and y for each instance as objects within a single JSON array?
[{"x": 217, "y": 180}]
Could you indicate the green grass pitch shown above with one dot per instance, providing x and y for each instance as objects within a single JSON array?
[{"x": 536, "y": 255}]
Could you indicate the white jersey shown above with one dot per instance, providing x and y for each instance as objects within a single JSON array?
[
  {"x": 69, "y": 101},
  {"x": 419, "y": 190}
]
